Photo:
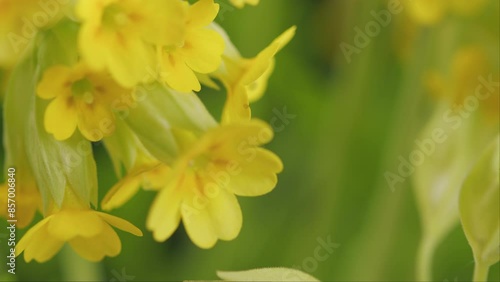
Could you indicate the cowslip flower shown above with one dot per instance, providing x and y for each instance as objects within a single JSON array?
[
  {"x": 200, "y": 52},
  {"x": 430, "y": 12},
  {"x": 87, "y": 231},
  {"x": 20, "y": 20},
  {"x": 246, "y": 79},
  {"x": 241, "y": 3},
  {"x": 116, "y": 35},
  {"x": 204, "y": 181},
  {"x": 80, "y": 98},
  {"x": 470, "y": 67}
]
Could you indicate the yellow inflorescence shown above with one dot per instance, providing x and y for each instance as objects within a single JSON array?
[{"x": 123, "y": 72}]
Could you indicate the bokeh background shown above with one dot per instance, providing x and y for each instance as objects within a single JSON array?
[{"x": 351, "y": 121}]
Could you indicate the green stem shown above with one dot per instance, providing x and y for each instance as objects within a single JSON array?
[
  {"x": 75, "y": 268},
  {"x": 481, "y": 271},
  {"x": 424, "y": 259}
]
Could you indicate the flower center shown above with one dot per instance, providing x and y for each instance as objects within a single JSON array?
[
  {"x": 83, "y": 89},
  {"x": 114, "y": 16},
  {"x": 199, "y": 163}
]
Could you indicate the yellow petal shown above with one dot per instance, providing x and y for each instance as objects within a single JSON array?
[
  {"x": 256, "y": 89},
  {"x": 42, "y": 246},
  {"x": 164, "y": 216},
  {"x": 68, "y": 224},
  {"x": 164, "y": 22},
  {"x": 225, "y": 213},
  {"x": 91, "y": 9},
  {"x": 232, "y": 140},
  {"x": 26, "y": 239},
  {"x": 95, "y": 41},
  {"x": 61, "y": 117},
  {"x": 178, "y": 75},
  {"x": 120, "y": 224},
  {"x": 263, "y": 61},
  {"x": 156, "y": 178},
  {"x": 237, "y": 106},
  {"x": 54, "y": 82},
  {"x": 258, "y": 176},
  {"x": 121, "y": 192},
  {"x": 203, "y": 50},
  {"x": 202, "y": 13},
  {"x": 198, "y": 223},
  {"x": 95, "y": 120},
  {"x": 106, "y": 243}
]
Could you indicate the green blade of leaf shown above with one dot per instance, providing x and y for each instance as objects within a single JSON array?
[{"x": 266, "y": 274}]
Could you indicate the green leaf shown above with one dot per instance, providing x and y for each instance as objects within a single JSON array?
[
  {"x": 480, "y": 206},
  {"x": 267, "y": 274}
]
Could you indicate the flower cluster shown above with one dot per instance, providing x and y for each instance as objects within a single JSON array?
[
  {"x": 452, "y": 163},
  {"x": 123, "y": 72}
]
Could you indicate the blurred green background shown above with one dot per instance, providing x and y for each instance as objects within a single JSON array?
[{"x": 351, "y": 122}]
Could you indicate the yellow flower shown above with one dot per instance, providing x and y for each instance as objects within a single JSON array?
[
  {"x": 467, "y": 7},
  {"x": 427, "y": 12},
  {"x": 469, "y": 66},
  {"x": 430, "y": 12},
  {"x": 115, "y": 34},
  {"x": 81, "y": 98},
  {"x": 241, "y": 3},
  {"x": 27, "y": 200},
  {"x": 151, "y": 176},
  {"x": 200, "y": 53},
  {"x": 19, "y": 22},
  {"x": 202, "y": 185},
  {"x": 87, "y": 231},
  {"x": 246, "y": 79}
]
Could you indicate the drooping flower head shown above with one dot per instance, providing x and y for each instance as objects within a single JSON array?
[
  {"x": 88, "y": 76},
  {"x": 203, "y": 184},
  {"x": 88, "y": 232},
  {"x": 200, "y": 53},
  {"x": 116, "y": 34},
  {"x": 80, "y": 98}
]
